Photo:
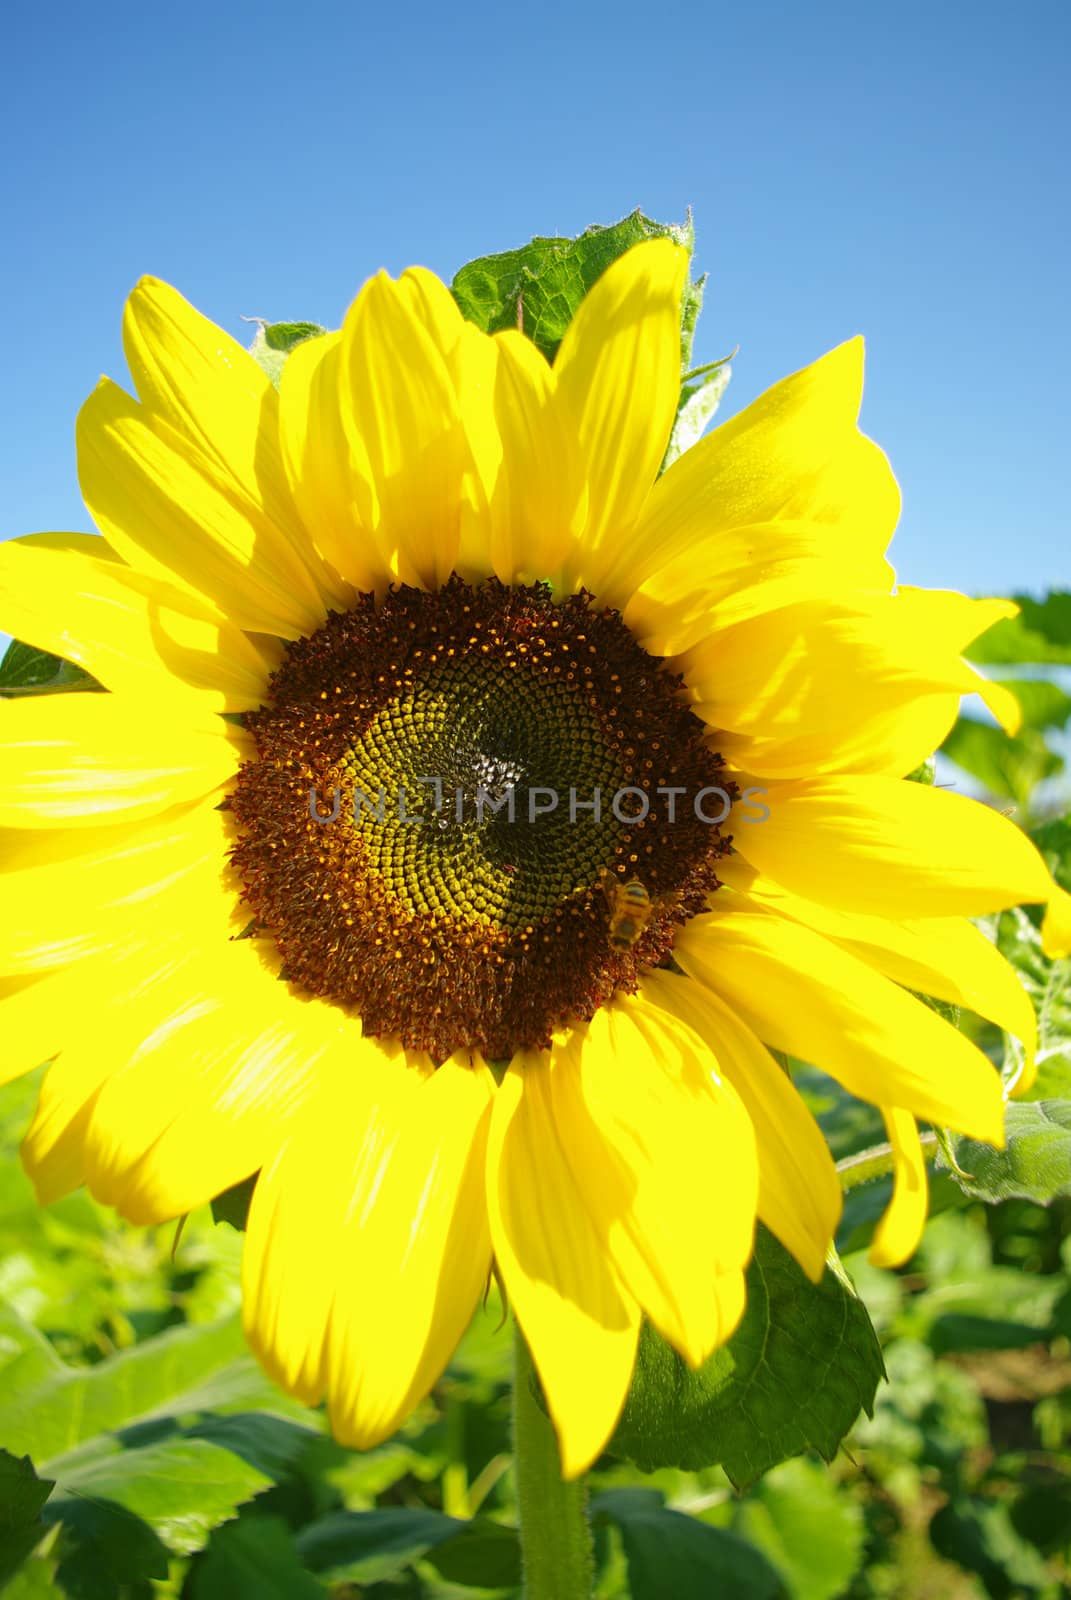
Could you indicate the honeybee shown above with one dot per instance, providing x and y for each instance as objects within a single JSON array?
[{"x": 630, "y": 911}]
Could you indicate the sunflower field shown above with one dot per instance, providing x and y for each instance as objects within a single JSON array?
[{"x": 883, "y": 1417}]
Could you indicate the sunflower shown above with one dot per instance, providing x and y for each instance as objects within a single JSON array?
[{"x": 470, "y": 813}]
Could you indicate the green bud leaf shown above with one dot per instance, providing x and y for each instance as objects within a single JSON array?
[
  {"x": 274, "y": 341},
  {"x": 801, "y": 1366},
  {"x": 540, "y": 286}
]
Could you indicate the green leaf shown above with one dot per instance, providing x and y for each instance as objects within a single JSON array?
[
  {"x": 33, "y": 1581},
  {"x": 925, "y": 773},
  {"x": 25, "y": 670},
  {"x": 546, "y": 280},
  {"x": 180, "y": 1373},
  {"x": 980, "y": 1536},
  {"x": 368, "y": 1546},
  {"x": 1035, "y": 1163},
  {"x": 1043, "y": 1516},
  {"x": 271, "y": 1445},
  {"x": 1041, "y": 632},
  {"x": 1048, "y": 983},
  {"x": 1010, "y": 767},
  {"x": 669, "y": 1553},
  {"x": 141, "y": 1472},
  {"x": 274, "y": 341},
  {"x": 107, "y": 1553},
  {"x": 965, "y": 1331},
  {"x": 809, "y": 1529},
  {"x": 484, "y": 1555},
  {"x": 180, "y": 1487},
  {"x": 1053, "y": 839},
  {"x": 1042, "y": 704},
  {"x": 22, "y": 1494},
  {"x": 801, "y": 1366},
  {"x": 254, "y": 1558}
]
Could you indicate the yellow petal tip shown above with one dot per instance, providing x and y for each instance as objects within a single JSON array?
[{"x": 1056, "y": 928}]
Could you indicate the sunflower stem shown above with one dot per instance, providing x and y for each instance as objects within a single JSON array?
[
  {"x": 555, "y": 1534},
  {"x": 877, "y": 1162}
]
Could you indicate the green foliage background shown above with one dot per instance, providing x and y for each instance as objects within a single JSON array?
[{"x": 142, "y": 1452}]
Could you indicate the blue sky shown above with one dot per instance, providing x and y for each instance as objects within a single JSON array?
[{"x": 897, "y": 171}]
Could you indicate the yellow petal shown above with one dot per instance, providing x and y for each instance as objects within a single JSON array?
[
  {"x": 618, "y": 382},
  {"x": 171, "y": 514},
  {"x": 329, "y": 473},
  {"x": 297, "y": 1219},
  {"x": 1056, "y": 928},
  {"x": 947, "y": 957},
  {"x": 431, "y": 302},
  {"x": 722, "y": 516},
  {"x": 54, "y": 1150},
  {"x": 82, "y": 604},
  {"x": 201, "y": 383},
  {"x": 400, "y": 411},
  {"x": 900, "y": 1229},
  {"x": 417, "y": 1228},
  {"x": 367, "y": 1244},
  {"x": 800, "y": 993},
  {"x": 78, "y": 760},
  {"x": 528, "y": 461},
  {"x": 892, "y": 848},
  {"x": 39, "y": 1013},
  {"x": 580, "y": 1323},
  {"x": 737, "y": 573},
  {"x": 799, "y": 1192},
  {"x": 226, "y": 1054},
  {"x": 73, "y": 892},
  {"x": 842, "y": 683},
  {"x": 664, "y": 1157}
]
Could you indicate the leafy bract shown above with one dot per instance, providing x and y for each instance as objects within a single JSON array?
[
  {"x": 25, "y": 670},
  {"x": 273, "y": 342}
]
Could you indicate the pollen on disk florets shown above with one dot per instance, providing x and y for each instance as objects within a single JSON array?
[{"x": 440, "y": 821}]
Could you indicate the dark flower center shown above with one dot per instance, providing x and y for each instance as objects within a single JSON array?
[{"x": 455, "y": 824}]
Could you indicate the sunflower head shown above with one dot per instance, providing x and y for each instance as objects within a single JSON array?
[
  {"x": 430, "y": 704},
  {"x": 451, "y": 791}
]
